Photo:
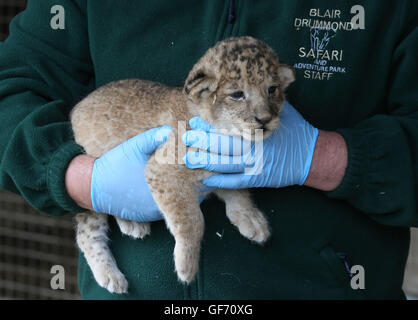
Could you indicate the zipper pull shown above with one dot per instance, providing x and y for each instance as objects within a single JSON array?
[
  {"x": 344, "y": 258},
  {"x": 231, "y": 11}
]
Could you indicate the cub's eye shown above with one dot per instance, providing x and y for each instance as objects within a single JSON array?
[
  {"x": 238, "y": 95},
  {"x": 272, "y": 89}
]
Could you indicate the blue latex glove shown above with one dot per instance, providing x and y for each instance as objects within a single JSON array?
[
  {"x": 283, "y": 160},
  {"x": 118, "y": 184}
]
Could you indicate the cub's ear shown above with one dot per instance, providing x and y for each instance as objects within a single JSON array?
[
  {"x": 199, "y": 84},
  {"x": 286, "y": 75}
]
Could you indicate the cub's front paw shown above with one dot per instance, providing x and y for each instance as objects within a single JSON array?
[
  {"x": 137, "y": 230},
  {"x": 186, "y": 260},
  {"x": 252, "y": 224}
]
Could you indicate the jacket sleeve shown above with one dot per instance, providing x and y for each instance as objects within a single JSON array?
[
  {"x": 381, "y": 179},
  {"x": 43, "y": 73}
]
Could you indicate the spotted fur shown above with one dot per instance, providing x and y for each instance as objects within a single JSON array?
[{"x": 122, "y": 109}]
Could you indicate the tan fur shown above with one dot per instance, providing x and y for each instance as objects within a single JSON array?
[{"x": 122, "y": 109}]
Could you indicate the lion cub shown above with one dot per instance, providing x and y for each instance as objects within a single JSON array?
[{"x": 238, "y": 84}]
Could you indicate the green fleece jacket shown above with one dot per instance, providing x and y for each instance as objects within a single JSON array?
[{"x": 356, "y": 73}]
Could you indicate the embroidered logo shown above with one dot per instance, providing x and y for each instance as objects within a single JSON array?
[
  {"x": 320, "y": 38},
  {"x": 319, "y": 59}
]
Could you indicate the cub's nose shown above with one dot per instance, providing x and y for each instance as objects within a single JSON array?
[{"x": 264, "y": 119}]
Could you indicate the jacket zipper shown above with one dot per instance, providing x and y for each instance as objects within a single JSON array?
[
  {"x": 231, "y": 11},
  {"x": 346, "y": 261}
]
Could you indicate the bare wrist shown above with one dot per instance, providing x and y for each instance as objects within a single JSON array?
[
  {"x": 329, "y": 161},
  {"x": 78, "y": 180}
]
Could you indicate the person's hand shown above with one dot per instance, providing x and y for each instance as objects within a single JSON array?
[
  {"x": 118, "y": 184},
  {"x": 283, "y": 159}
]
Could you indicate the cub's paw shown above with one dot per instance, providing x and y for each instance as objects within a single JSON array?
[
  {"x": 109, "y": 277},
  {"x": 186, "y": 260},
  {"x": 137, "y": 230},
  {"x": 252, "y": 224}
]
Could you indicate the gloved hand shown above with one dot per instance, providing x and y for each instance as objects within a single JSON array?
[
  {"x": 118, "y": 184},
  {"x": 283, "y": 160}
]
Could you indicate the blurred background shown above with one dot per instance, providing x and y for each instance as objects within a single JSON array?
[{"x": 31, "y": 242}]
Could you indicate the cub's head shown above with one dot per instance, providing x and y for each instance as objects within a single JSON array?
[{"x": 238, "y": 85}]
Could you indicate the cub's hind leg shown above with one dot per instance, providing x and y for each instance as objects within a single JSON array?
[
  {"x": 243, "y": 214},
  {"x": 93, "y": 242}
]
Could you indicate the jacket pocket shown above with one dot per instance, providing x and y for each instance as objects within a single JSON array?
[{"x": 338, "y": 264}]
